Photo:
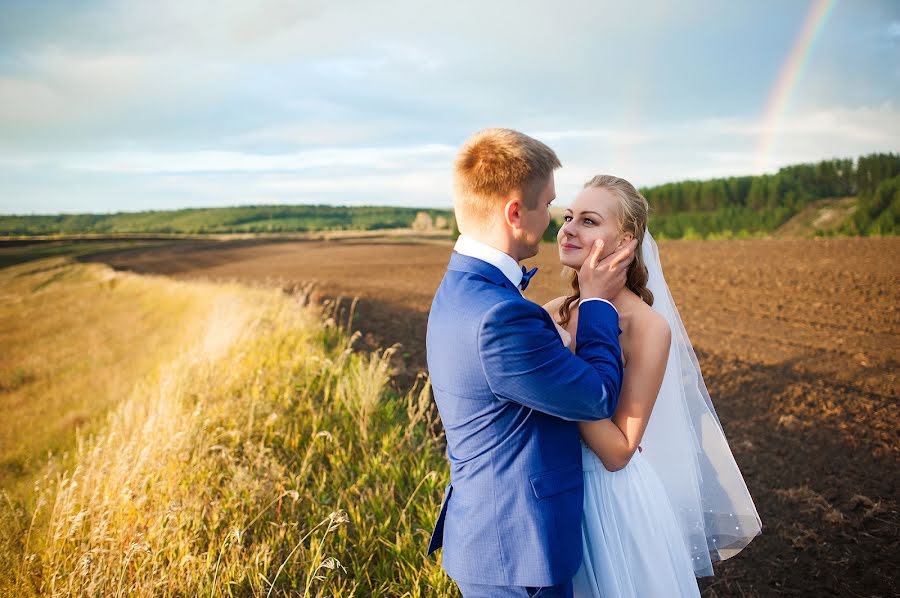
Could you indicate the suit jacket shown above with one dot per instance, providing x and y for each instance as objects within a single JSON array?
[{"x": 509, "y": 393}]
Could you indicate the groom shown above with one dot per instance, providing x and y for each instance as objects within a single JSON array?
[{"x": 508, "y": 391}]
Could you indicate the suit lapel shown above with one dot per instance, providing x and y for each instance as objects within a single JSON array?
[{"x": 465, "y": 263}]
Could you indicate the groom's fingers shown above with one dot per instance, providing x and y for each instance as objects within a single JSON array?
[
  {"x": 596, "y": 252},
  {"x": 623, "y": 258}
]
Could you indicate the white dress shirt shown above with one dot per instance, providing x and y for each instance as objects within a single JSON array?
[
  {"x": 480, "y": 251},
  {"x": 500, "y": 260}
]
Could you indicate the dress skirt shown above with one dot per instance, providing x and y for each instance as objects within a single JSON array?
[{"x": 633, "y": 547}]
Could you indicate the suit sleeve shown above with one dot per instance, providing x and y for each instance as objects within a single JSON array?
[{"x": 525, "y": 362}]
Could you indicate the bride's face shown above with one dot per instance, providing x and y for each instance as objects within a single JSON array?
[{"x": 593, "y": 215}]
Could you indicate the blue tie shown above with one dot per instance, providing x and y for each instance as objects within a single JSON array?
[{"x": 526, "y": 277}]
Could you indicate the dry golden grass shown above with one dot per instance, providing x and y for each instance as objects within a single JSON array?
[
  {"x": 61, "y": 325},
  {"x": 265, "y": 457}
]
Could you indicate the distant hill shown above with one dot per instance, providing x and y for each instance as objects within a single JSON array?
[{"x": 245, "y": 219}]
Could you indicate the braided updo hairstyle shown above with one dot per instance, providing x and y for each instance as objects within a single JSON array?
[{"x": 633, "y": 213}]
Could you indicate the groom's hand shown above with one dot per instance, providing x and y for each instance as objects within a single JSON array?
[{"x": 604, "y": 278}]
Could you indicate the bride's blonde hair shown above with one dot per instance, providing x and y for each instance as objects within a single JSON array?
[{"x": 633, "y": 214}]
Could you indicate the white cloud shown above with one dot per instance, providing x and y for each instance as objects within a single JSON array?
[
  {"x": 375, "y": 158},
  {"x": 619, "y": 137},
  {"x": 426, "y": 185},
  {"x": 383, "y": 57},
  {"x": 720, "y": 147},
  {"x": 878, "y": 125},
  {"x": 309, "y": 133},
  {"x": 25, "y": 102},
  {"x": 894, "y": 29}
]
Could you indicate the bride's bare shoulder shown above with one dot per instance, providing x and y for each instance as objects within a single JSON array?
[
  {"x": 553, "y": 305},
  {"x": 651, "y": 325}
]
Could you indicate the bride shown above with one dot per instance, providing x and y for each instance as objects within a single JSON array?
[{"x": 663, "y": 497}]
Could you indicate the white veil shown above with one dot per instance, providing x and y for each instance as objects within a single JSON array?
[{"x": 686, "y": 446}]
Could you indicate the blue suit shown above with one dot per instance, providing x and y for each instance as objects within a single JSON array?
[{"x": 509, "y": 394}]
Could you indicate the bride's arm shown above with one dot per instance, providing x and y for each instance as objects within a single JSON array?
[{"x": 615, "y": 440}]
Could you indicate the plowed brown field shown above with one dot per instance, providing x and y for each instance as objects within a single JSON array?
[{"x": 799, "y": 342}]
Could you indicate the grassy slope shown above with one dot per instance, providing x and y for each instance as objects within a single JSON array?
[
  {"x": 827, "y": 216},
  {"x": 263, "y": 455}
]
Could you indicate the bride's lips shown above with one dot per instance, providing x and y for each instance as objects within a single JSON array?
[{"x": 569, "y": 246}]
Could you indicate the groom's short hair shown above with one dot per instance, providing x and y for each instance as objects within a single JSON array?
[{"x": 495, "y": 162}]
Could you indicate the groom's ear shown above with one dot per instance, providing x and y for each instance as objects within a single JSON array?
[{"x": 512, "y": 210}]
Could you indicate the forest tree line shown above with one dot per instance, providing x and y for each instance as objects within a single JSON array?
[{"x": 754, "y": 205}]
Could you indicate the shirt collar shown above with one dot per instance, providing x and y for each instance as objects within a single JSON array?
[{"x": 480, "y": 251}]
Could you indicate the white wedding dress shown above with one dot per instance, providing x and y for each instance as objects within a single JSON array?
[{"x": 632, "y": 544}]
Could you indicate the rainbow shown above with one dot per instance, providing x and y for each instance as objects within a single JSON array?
[{"x": 788, "y": 76}]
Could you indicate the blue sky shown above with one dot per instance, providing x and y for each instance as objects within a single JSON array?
[{"x": 123, "y": 106}]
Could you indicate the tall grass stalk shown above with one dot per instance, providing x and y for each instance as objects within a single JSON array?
[{"x": 202, "y": 481}]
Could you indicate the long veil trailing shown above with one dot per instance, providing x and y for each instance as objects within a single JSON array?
[{"x": 685, "y": 444}]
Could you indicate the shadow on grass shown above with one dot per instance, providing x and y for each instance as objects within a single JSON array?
[{"x": 14, "y": 252}]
